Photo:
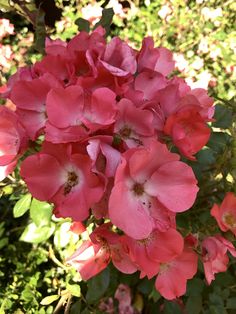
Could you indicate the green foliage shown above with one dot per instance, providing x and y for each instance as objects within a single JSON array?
[
  {"x": 35, "y": 234},
  {"x": 97, "y": 286},
  {"x": 106, "y": 19},
  {"x": 40, "y": 213},
  {"x": 83, "y": 25},
  {"x": 22, "y": 205}
]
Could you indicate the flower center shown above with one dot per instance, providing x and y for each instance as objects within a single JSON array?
[
  {"x": 164, "y": 267},
  {"x": 125, "y": 132},
  {"x": 229, "y": 220},
  {"x": 138, "y": 189},
  {"x": 72, "y": 180}
]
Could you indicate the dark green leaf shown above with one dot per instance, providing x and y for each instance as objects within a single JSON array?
[
  {"x": 194, "y": 304},
  {"x": 106, "y": 19},
  {"x": 22, "y": 206},
  {"x": 219, "y": 141},
  {"x": 223, "y": 117},
  {"x": 171, "y": 308},
  {"x": 97, "y": 286},
  {"x": 83, "y": 25},
  {"x": 145, "y": 286},
  {"x": 195, "y": 287},
  {"x": 231, "y": 303},
  {"x": 76, "y": 308},
  {"x": 206, "y": 157}
]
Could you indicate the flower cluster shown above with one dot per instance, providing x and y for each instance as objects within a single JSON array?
[{"x": 105, "y": 116}]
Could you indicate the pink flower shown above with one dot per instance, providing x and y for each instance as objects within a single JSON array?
[
  {"x": 214, "y": 255},
  {"x": 100, "y": 109},
  {"x": 225, "y": 214},
  {"x": 94, "y": 255},
  {"x": 105, "y": 158},
  {"x": 150, "y": 82},
  {"x": 172, "y": 278},
  {"x": 65, "y": 178},
  {"x": 13, "y": 141},
  {"x": 159, "y": 247},
  {"x": 89, "y": 259},
  {"x": 145, "y": 178},
  {"x": 55, "y": 47},
  {"x": 64, "y": 108},
  {"x": 30, "y": 99},
  {"x": 156, "y": 59},
  {"x": 188, "y": 131},
  {"x": 134, "y": 125},
  {"x": 119, "y": 58},
  {"x": 123, "y": 295}
]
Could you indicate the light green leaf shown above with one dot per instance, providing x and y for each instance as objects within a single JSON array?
[
  {"x": 4, "y": 5},
  {"x": 74, "y": 290},
  {"x": 22, "y": 206},
  {"x": 34, "y": 234},
  {"x": 40, "y": 213},
  {"x": 49, "y": 299}
]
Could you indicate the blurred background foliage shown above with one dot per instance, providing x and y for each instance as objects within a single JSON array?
[{"x": 34, "y": 277}]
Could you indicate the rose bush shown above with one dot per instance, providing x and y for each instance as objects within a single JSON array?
[{"x": 108, "y": 135}]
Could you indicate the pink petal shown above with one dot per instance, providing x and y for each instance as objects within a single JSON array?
[
  {"x": 175, "y": 186},
  {"x": 43, "y": 175},
  {"x": 103, "y": 106},
  {"x": 144, "y": 162},
  {"x": 64, "y": 106},
  {"x": 166, "y": 245},
  {"x": 128, "y": 213}
]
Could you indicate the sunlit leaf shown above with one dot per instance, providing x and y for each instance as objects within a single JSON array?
[
  {"x": 49, "y": 299},
  {"x": 22, "y": 206}
]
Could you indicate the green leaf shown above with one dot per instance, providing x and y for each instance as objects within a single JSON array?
[
  {"x": 49, "y": 299},
  {"x": 154, "y": 295},
  {"x": 74, "y": 290},
  {"x": 145, "y": 286},
  {"x": 231, "y": 303},
  {"x": 83, "y": 25},
  {"x": 106, "y": 19},
  {"x": 195, "y": 287},
  {"x": 34, "y": 234},
  {"x": 223, "y": 116},
  {"x": 97, "y": 286},
  {"x": 194, "y": 304},
  {"x": 206, "y": 157},
  {"x": 76, "y": 308},
  {"x": 22, "y": 206},
  {"x": 219, "y": 141},
  {"x": 4, "y": 242},
  {"x": 40, "y": 213},
  {"x": 171, "y": 307},
  {"x": 4, "y": 5}
]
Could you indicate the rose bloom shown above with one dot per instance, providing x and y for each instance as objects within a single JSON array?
[{"x": 225, "y": 214}]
